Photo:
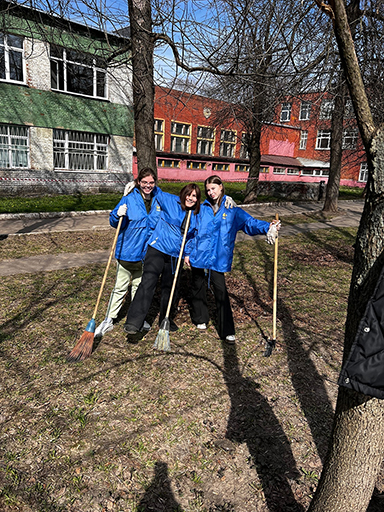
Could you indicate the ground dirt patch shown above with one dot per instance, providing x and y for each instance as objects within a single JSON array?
[{"x": 206, "y": 428}]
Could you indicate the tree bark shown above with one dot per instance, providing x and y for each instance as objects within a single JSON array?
[
  {"x": 332, "y": 191},
  {"x": 142, "y": 39},
  {"x": 356, "y": 448}
]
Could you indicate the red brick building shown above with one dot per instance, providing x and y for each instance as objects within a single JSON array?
[{"x": 295, "y": 147}]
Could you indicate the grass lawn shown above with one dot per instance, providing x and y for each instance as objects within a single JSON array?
[
  {"x": 81, "y": 202},
  {"x": 206, "y": 428}
]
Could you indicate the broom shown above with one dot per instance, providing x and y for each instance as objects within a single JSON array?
[
  {"x": 84, "y": 346},
  {"x": 162, "y": 341},
  {"x": 272, "y": 343}
]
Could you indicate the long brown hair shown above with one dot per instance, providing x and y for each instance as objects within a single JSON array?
[
  {"x": 217, "y": 181},
  {"x": 186, "y": 191}
]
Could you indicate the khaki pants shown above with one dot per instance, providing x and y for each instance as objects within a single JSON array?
[{"x": 126, "y": 273}]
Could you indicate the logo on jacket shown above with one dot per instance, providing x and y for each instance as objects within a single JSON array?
[
  {"x": 224, "y": 215},
  {"x": 158, "y": 209}
]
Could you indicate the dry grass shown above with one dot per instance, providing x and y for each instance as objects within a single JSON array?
[{"x": 205, "y": 428}]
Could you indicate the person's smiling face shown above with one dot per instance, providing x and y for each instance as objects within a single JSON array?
[
  {"x": 191, "y": 199},
  {"x": 214, "y": 190}
]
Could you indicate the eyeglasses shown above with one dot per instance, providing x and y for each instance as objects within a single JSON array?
[{"x": 147, "y": 183}]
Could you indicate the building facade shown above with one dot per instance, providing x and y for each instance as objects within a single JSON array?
[
  {"x": 66, "y": 116},
  {"x": 295, "y": 147}
]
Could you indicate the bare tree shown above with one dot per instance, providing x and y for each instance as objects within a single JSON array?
[{"x": 356, "y": 449}]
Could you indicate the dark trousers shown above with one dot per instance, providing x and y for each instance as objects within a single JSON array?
[
  {"x": 156, "y": 263},
  {"x": 199, "y": 306}
]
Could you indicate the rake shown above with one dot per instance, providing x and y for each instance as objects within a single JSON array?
[
  {"x": 162, "y": 341},
  {"x": 271, "y": 343},
  {"x": 83, "y": 348}
]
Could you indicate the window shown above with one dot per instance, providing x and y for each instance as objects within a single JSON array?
[
  {"x": 264, "y": 170},
  {"x": 323, "y": 140},
  {"x": 180, "y": 137},
  {"x": 279, "y": 170},
  {"x": 242, "y": 168},
  {"x": 285, "y": 114},
  {"x": 205, "y": 140},
  {"x": 293, "y": 172},
  {"x": 326, "y": 109},
  {"x": 245, "y": 138},
  {"x": 14, "y": 147},
  {"x": 78, "y": 73},
  {"x": 305, "y": 111},
  {"x": 363, "y": 174},
  {"x": 80, "y": 150},
  {"x": 227, "y": 143},
  {"x": 196, "y": 165},
  {"x": 303, "y": 139},
  {"x": 11, "y": 58},
  {"x": 159, "y": 135},
  {"x": 221, "y": 167},
  {"x": 350, "y": 139},
  {"x": 348, "y": 110},
  {"x": 169, "y": 163},
  {"x": 315, "y": 172}
]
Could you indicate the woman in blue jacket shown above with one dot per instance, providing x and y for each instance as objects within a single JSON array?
[
  {"x": 141, "y": 212},
  {"x": 213, "y": 251},
  {"x": 162, "y": 253}
]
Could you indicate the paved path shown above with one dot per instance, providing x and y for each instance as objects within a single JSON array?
[{"x": 24, "y": 224}]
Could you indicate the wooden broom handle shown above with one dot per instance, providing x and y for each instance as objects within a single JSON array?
[
  {"x": 107, "y": 267},
  {"x": 275, "y": 284},
  {"x": 178, "y": 263}
]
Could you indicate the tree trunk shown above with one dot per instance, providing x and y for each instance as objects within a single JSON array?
[
  {"x": 140, "y": 15},
  {"x": 251, "y": 190},
  {"x": 332, "y": 191},
  {"x": 356, "y": 447}
]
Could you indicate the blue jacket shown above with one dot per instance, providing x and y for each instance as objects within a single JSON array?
[
  {"x": 136, "y": 227},
  {"x": 167, "y": 236},
  {"x": 215, "y": 240}
]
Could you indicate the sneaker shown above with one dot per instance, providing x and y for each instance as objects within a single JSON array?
[
  {"x": 146, "y": 326},
  {"x": 201, "y": 327},
  {"x": 105, "y": 326},
  {"x": 130, "y": 329},
  {"x": 230, "y": 339}
]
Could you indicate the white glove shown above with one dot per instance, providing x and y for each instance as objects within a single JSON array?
[
  {"x": 129, "y": 187},
  {"x": 273, "y": 232},
  {"x": 122, "y": 210},
  {"x": 229, "y": 203}
]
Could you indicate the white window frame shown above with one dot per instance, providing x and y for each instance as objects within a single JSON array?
[
  {"x": 159, "y": 134},
  {"x": 87, "y": 154},
  {"x": 60, "y": 72},
  {"x": 292, "y": 172},
  {"x": 11, "y": 50},
  {"x": 326, "y": 109},
  {"x": 227, "y": 143},
  {"x": 303, "y": 139},
  {"x": 205, "y": 139},
  {"x": 363, "y": 173},
  {"x": 305, "y": 111},
  {"x": 279, "y": 170},
  {"x": 323, "y": 135},
  {"x": 350, "y": 137},
  {"x": 14, "y": 142},
  {"x": 285, "y": 114},
  {"x": 180, "y": 136},
  {"x": 349, "y": 111}
]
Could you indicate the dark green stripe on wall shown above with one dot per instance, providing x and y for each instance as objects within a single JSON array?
[{"x": 46, "y": 109}]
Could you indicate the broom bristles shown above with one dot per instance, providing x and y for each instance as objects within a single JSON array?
[
  {"x": 84, "y": 346},
  {"x": 162, "y": 341}
]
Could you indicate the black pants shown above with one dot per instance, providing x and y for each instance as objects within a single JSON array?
[
  {"x": 156, "y": 263},
  {"x": 199, "y": 306}
]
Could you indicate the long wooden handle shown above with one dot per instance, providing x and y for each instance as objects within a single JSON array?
[
  {"x": 107, "y": 267},
  {"x": 178, "y": 263},
  {"x": 275, "y": 285}
]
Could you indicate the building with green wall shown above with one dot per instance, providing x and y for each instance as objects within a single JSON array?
[{"x": 66, "y": 116}]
